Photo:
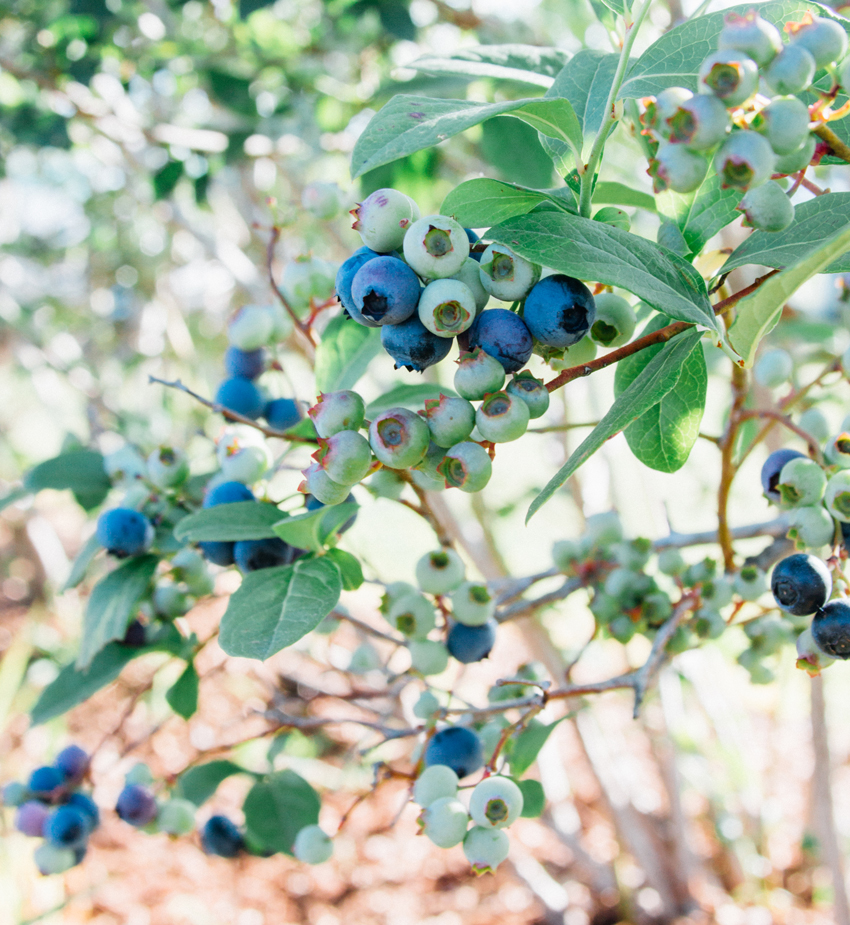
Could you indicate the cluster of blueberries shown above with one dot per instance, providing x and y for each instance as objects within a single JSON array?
[
  {"x": 52, "y": 807},
  {"x": 757, "y": 128}
]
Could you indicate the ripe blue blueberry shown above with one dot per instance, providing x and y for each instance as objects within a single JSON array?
[
  {"x": 86, "y": 805},
  {"x": 771, "y": 469},
  {"x": 768, "y": 208},
  {"x": 752, "y": 35},
  {"x": 825, "y": 39},
  {"x": 477, "y": 374},
  {"x": 346, "y": 273},
  {"x": 413, "y": 346},
  {"x": 801, "y": 584},
  {"x": 504, "y": 335},
  {"x": 450, "y": 420},
  {"x": 745, "y": 160},
  {"x": 446, "y": 307},
  {"x": 219, "y": 552},
  {"x": 220, "y": 836},
  {"x": 240, "y": 396},
  {"x": 471, "y": 643},
  {"x": 532, "y": 391},
  {"x": 506, "y": 275},
  {"x": 791, "y": 71},
  {"x": 399, "y": 438},
  {"x": 245, "y": 363},
  {"x": 44, "y": 781},
  {"x": 457, "y": 747},
  {"x": 228, "y": 493},
  {"x": 73, "y": 762},
  {"x": 559, "y": 311},
  {"x": 124, "y": 532},
  {"x": 282, "y": 413},
  {"x": 30, "y": 818},
  {"x": 831, "y": 629},
  {"x": 466, "y": 466},
  {"x": 385, "y": 291},
  {"x": 136, "y": 805},
  {"x": 251, "y": 555},
  {"x": 383, "y": 219},
  {"x": 730, "y": 75},
  {"x": 66, "y": 827},
  {"x": 676, "y": 167},
  {"x": 436, "y": 246}
]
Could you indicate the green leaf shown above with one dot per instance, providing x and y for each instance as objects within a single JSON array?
[
  {"x": 112, "y": 605},
  {"x": 344, "y": 353},
  {"x": 664, "y": 436},
  {"x": 411, "y": 123},
  {"x": 482, "y": 202},
  {"x": 533, "y": 797},
  {"x": 586, "y": 82},
  {"x": 656, "y": 379},
  {"x": 674, "y": 59},
  {"x": 277, "y": 808},
  {"x": 182, "y": 696},
  {"x": 527, "y": 745},
  {"x": 275, "y": 607},
  {"x": 72, "y": 686},
  {"x": 79, "y": 470},
  {"x": 349, "y": 568},
  {"x": 312, "y": 529},
  {"x": 814, "y": 221},
  {"x": 246, "y": 7},
  {"x": 701, "y": 214},
  {"x": 407, "y": 396},
  {"x": 165, "y": 180},
  {"x": 609, "y": 192},
  {"x": 239, "y": 520},
  {"x": 502, "y": 137},
  {"x": 198, "y": 784},
  {"x": 527, "y": 64},
  {"x": 84, "y": 559},
  {"x": 757, "y": 313},
  {"x": 592, "y": 250}
]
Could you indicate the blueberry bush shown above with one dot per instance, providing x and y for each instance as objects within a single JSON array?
[{"x": 379, "y": 485}]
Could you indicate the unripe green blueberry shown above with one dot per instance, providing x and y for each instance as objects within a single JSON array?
[
  {"x": 767, "y": 208},
  {"x": 784, "y": 122},
  {"x": 346, "y": 457},
  {"x": 51, "y": 859},
  {"x": 759, "y": 672},
  {"x": 501, "y": 417},
  {"x": 566, "y": 554},
  {"x": 384, "y": 218},
  {"x": 125, "y": 465},
  {"x": 438, "y": 782},
  {"x": 444, "y": 822},
  {"x": 810, "y": 655},
  {"x": 623, "y": 582},
  {"x": 532, "y": 391},
  {"x": 364, "y": 658},
  {"x": 825, "y": 39},
  {"x": 491, "y": 732},
  {"x": 604, "y": 607},
  {"x": 413, "y": 615},
  {"x": 139, "y": 774},
  {"x": 717, "y": 593},
  {"x": 622, "y": 628},
  {"x": 312, "y": 845},
  {"x": 662, "y": 108},
  {"x": 604, "y": 529},
  {"x": 307, "y": 278},
  {"x": 656, "y": 608},
  {"x": 670, "y": 562},
  {"x": 336, "y": 411},
  {"x": 386, "y": 483},
  {"x": 773, "y": 368},
  {"x": 791, "y": 71},
  {"x": 844, "y": 75},
  {"x": 428, "y": 657},
  {"x": 485, "y": 849},
  {"x": 745, "y": 160},
  {"x": 472, "y": 604},
  {"x": 752, "y": 35},
  {"x": 251, "y": 328},
  {"x": 811, "y": 527},
  {"x": 709, "y": 623},
  {"x": 176, "y": 817},
  {"x": 750, "y": 583},
  {"x": 676, "y": 167},
  {"x": 393, "y": 592},
  {"x": 447, "y": 307},
  {"x": 577, "y": 355},
  {"x": 495, "y": 803},
  {"x": 506, "y": 275},
  {"x": 813, "y": 421},
  {"x": 440, "y": 571},
  {"x": 426, "y": 473},
  {"x": 699, "y": 572},
  {"x": 399, "y": 438},
  {"x": 791, "y": 163},
  {"x": 168, "y": 467},
  {"x": 801, "y": 483},
  {"x": 246, "y": 464},
  {"x": 837, "y": 496},
  {"x": 615, "y": 320},
  {"x": 699, "y": 123},
  {"x": 477, "y": 374},
  {"x": 450, "y": 420},
  {"x": 616, "y": 218},
  {"x": 323, "y": 200},
  {"x": 425, "y": 708},
  {"x": 633, "y": 554},
  {"x": 730, "y": 75},
  {"x": 169, "y": 600},
  {"x": 469, "y": 275},
  {"x": 321, "y": 486},
  {"x": 436, "y": 246},
  {"x": 837, "y": 450},
  {"x": 466, "y": 466}
]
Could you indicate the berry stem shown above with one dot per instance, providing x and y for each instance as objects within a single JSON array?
[
  {"x": 304, "y": 329},
  {"x": 839, "y": 149}
]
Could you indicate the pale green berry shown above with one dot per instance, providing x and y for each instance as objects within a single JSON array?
[
  {"x": 506, "y": 275},
  {"x": 699, "y": 123},
  {"x": 399, "y": 438},
  {"x": 709, "y": 623},
  {"x": 444, "y": 822},
  {"x": 322, "y": 487},
  {"x": 717, "y": 593},
  {"x": 51, "y": 859},
  {"x": 767, "y": 208},
  {"x": 744, "y": 161},
  {"x": 413, "y": 615},
  {"x": 502, "y": 418},
  {"x": 750, "y": 583},
  {"x": 437, "y": 782},
  {"x": 436, "y": 247},
  {"x": 495, "y": 803},
  {"x": 615, "y": 320},
  {"x": 825, "y": 39},
  {"x": 346, "y": 457},
  {"x": 307, "y": 278},
  {"x": 469, "y": 275},
  {"x": 785, "y": 124},
  {"x": 139, "y": 774},
  {"x": 485, "y": 849},
  {"x": 450, "y": 420},
  {"x": 251, "y": 328},
  {"x": 323, "y": 200},
  {"x": 604, "y": 529},
  {"x": 791, "y": 71},
  {"x": 792, "y": 163},
  {"x": 336, "y": 411},
  {"x": 425, "y": 708},
  {"x": 813, "y": 421},
  {"x": 426, "y": 473},
  {"x": 393, "y": 592},
  {"x": 837, "y": 496},
  {"x": 168, "y": 467},
  {"x": 844, "y": 75},
  {"x": 246, "y": 465},
  {"x": 478, "y": 374},
  {"x": 811, "y": 527},
  {"x": 752, "y": 35},
  {"x": 447, "y": 307},
  {"x": 801, "y": 483},
  {"x": 773, "y": 368},
  {"x": 440, "y": 571},
  {"x": 676, "y": 167},
  {"x": 383, "y": 219},
  {"x": 566, "y": 554},
  {"x": 364, "y": 658},
  {"x": 170, "y": 600},
  {"x": 532, "y": 391},
  {"x": 837, "y": 450},
  {"x": 633, "y": 554},
  {"x": 670, "y": 562},
  {"x": 466, "y": 466},
  {"x": 730, "y": 75},
  {"x": 386, "y": 483},
  {"x": 662, "y": 108},
  {"x": 578, "y": 355},
  {"x": 428, "y": 657},
  {"x": 176, "y": 817},
  {"x": 125, "y": 465},
  {"x": 312, "y": 845},
  {"x": 472, "y": 604}
]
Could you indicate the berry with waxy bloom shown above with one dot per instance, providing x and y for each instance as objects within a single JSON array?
[
  {"x": 446, "y": 307},
  {"x": 385, "y": 291},
  {"x": 495, "y": 803},
  {"x": 436, "y": 246},
  {"x": 399, "y": 438},
  {"x": 504, "y": 335},
  {"x": 477, "y": 374},
  {"x": 346, "y": 456},
  {"x": 559, "y": 311},
  {"x": 466, "y": 466},
  {"x": 450, "y": 419},
  {"x": 699, "y": 123},
  {"x": 767, "y": 208},
  {"x": 745, "y": 160},
  {"x": 506, "y": 275},
  {"x": 319, "y": 484},
  {"x": 752, "y": 35},
  {"x": 676, "y": 167},
  {"x": 729, "y": 75},
  {"x": 413, "y": 346},
  {"x": 824, "y": 39},
  {"x": 336, "y": 411},
  {"x": 383, "y": 218},
  {"x": 791, "y": 71},
  {"x": 502, "y": 417}
]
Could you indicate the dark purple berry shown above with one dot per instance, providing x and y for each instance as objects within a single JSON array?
[
  {"x": 457, "y": 747},
  {"x": 135, "y": 635},
  {"x": 245, "y": 363},
  {"x": 30, "y": 818},
  {"x": 801, "y": 584},
  {"x": 385, "y": 291},
  {"x": 136, "y": 805},
  {"x": 413, "y": 346},
  {"x": 45, "y": 781},
  {"x": 251, "y": 555},
  {"x": 504, "y": 336},
  {"x": 220, "y": 836},
  {"x": 771, "y": 469},
  {"x": 240, "y": 396},
  {"x": 124, "y": 532},
  {"x": 72, "y": 762},
  {"x": 831, "y": 629},
  {"x": 282, "y": 413},
  {"x": 559, "y": 311},
  {"x": 471, "y": 643}
]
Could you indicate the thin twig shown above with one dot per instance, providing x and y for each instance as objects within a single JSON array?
[
  {"x": 839, "y": 149},
  {"x": 785, "y": 420},
  {"x": 299, "y": 324}
]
